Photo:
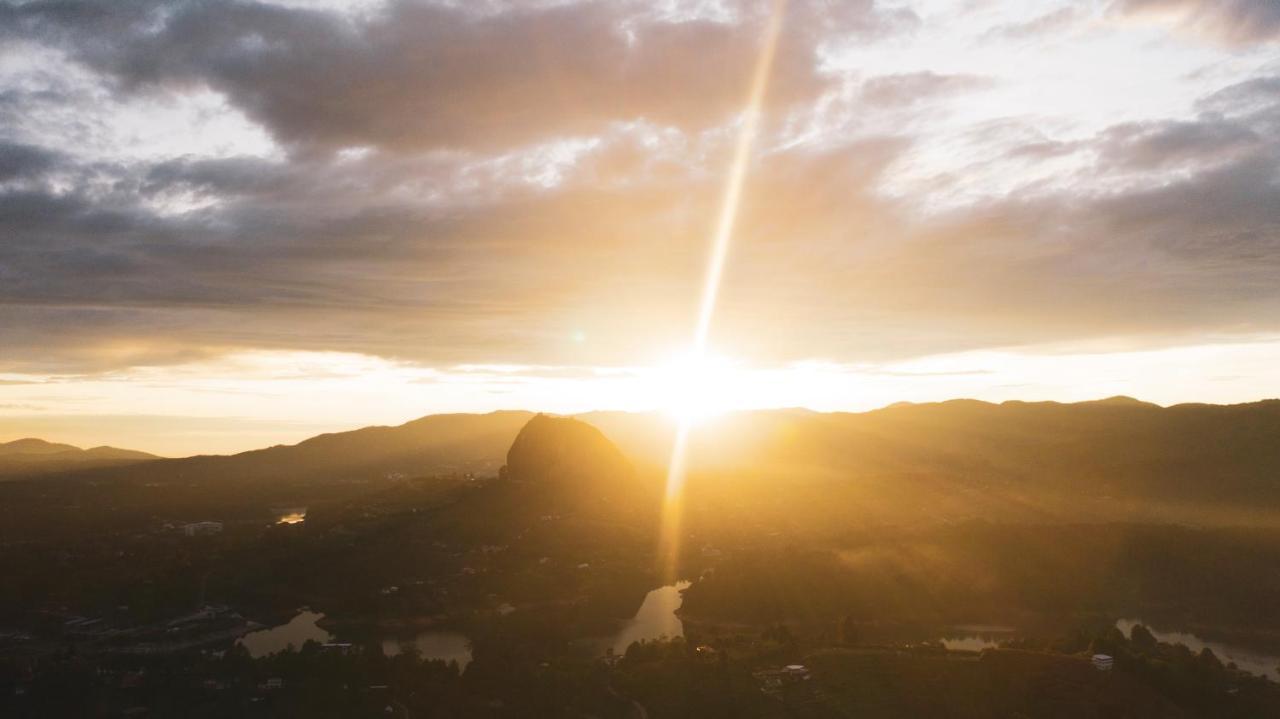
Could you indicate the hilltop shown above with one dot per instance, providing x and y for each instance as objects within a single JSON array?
[{"x": 31, "y": 456}]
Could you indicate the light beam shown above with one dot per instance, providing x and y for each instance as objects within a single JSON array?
[{"x": 730, "y": 201}]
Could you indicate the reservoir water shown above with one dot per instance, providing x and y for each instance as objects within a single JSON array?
[
  {"x": 294, "y": 633},
  {"x": 656, "y": 618},
  {"x": 976, "y": 637},
  {"x": 445, "y": 646},
  {"x": 296, "y": 515}
]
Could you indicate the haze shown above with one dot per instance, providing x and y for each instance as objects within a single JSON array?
[{"x": 227, "y": 225}]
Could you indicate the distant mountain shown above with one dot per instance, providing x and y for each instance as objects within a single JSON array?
[
  {"x": 1117, "y": 457},
  {"x": 961, "y": 458},
  {"x": 32, "y": 445},
  {"x": 30, "y": 456},
  {"x": 433, "y": 445}
]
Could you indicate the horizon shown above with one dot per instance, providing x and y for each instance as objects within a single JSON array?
[{"x": 585, "y": 415}]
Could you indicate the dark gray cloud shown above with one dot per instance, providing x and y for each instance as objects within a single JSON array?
[
  {"x": 18, "y": 161},
  {"x": 420, "y": 75},
  {"x": 1257, "y": 94},
  {"x": 1234, "y": 21},
  {"x": 1155, "y": 145}
]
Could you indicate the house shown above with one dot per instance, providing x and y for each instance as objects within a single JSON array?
[
  {"x": 1103, "y": 662},
  {"x": 706, "y": 652},
  {"x": 201, "y": 529},
  {"x": 274, "y": 683},
  {"x": 774, "y": 682},
  {"x": 796, "y": 671}
]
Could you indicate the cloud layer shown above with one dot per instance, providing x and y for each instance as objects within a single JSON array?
[{"x": 534, "y": 182}]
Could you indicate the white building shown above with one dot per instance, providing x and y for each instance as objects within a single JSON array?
[
  {"x": 201, "y": 529},
  {"x": 796, "y": 671},
  {"x": 1103, "y": 662}
]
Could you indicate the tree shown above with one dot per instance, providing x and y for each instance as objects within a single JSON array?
[{"x": 1142, "y": 638}]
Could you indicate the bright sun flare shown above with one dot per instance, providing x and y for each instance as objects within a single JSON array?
[{"x": 697, "y": 387}]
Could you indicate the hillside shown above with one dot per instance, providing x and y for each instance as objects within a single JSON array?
[
  {"x": 1115, "y": 459},
  {"x": 966, "y": 457},
  {"x": 30, "y": 456},
  {"x": 436, "y": 444}
]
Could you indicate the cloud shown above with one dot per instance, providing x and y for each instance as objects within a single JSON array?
[
  {"x": 1154, "y": 145},
  {"x": 911, "y": 88},
  {"x": 327, "y": 254},
  {"x": 534, "y": 184},
  {"x": 1257, "y": 94},
  {"x": 1050, "y": 23},
  {"x": 1238, "y": 22},
  {"x": 19, "y": 161},
  {"x": 421, "y": 75}
]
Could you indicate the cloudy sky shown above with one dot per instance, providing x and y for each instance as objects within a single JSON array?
[{"x": 227, "y": 224}]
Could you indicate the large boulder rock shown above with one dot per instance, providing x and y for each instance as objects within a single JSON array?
[{"x": 561, "y": 450}]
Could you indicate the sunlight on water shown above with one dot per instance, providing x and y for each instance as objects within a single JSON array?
[
  {"x": 656, "y": 618},
  {"x": 295, "y": 516},
  {"x": 298, "y": 631}
]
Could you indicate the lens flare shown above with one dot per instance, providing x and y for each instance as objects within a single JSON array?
[{"x": 731, "y": 199}]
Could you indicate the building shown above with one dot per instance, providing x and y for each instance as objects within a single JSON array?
[
  {"x": 774, "y": 682},
  {"x": 1103, "y": 662},
  {"x": 796, "y": 671},
  {"x": 201, "y": 529}
]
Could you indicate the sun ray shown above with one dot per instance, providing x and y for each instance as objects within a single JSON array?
[{"x": 731, "y": 199}]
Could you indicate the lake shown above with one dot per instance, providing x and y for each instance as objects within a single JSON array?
[
  {"x": 976, "y": 637},
  {"x": 296, "y": 515},
  {"x": 294, "y": 634},
  {"x": 446, "y": 646},
  {"x": 655, "y": 618},
  {"x": 1250, "y": 661}
]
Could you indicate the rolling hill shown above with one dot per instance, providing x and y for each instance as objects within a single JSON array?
[
  {"x": 30, "y": 456},
  {"x": 1112, "y": 458}
]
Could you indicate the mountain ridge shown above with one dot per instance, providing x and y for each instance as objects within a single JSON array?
[
  {"x": 33, "y": 456},
  {"x": 1118, "y": 448}
]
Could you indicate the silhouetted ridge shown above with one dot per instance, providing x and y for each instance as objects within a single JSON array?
[
  {"x": 31, "y": 457},
  {"x": 31, "y": 445},
  {"x": 1123, "y": 401}
]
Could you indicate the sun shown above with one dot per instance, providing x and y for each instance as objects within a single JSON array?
[{"x": 694, "y": 388}]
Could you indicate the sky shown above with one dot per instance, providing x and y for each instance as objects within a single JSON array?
[{"x": 230, "y": 224}]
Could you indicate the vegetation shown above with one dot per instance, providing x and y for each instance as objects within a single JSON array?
[{"x": 560, "y": 545}]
